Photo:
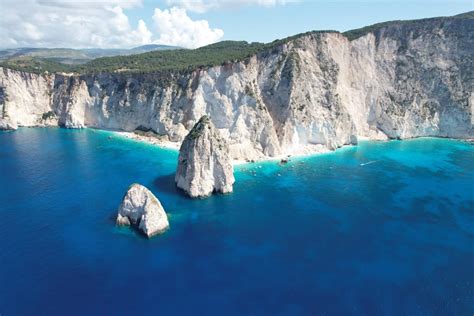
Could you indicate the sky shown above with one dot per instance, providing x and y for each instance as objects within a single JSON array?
[{"x": 195, "y": 23}]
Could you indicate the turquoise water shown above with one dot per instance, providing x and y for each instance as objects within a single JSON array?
[{"x": 377, "y": 229}]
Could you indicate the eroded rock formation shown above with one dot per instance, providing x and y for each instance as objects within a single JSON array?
[
  {"x": 142, "y": 209},
  {"x": 204, "y": 163}
]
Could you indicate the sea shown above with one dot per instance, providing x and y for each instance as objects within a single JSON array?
[{"x": 381, "y": 228}]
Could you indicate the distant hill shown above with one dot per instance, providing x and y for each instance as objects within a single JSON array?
[
  {"x": 152, "y": 47},
  {"x": 76, "y": 56}
]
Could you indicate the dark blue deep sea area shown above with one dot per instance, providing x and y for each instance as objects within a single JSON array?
[{"x": 382, "y": 228}]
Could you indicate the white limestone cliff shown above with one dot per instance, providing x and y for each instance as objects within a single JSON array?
[
  {"x": 204, "y": 162},
  {"x": 142, "y": 209},
  {"x": 6, "y": 124},
  {"x": 316, "y": 91}
]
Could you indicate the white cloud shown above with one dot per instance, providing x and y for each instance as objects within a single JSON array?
[
  {"x": 177, "y": 28},
  {"x": 90, "y": 4},
  {"x": 54, "y": 23},
  {"x": 201, "y": 6},
  {"x": 100, "y": 23}
]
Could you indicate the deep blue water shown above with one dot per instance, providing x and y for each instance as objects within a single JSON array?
[{"x": 325, "y": 235}]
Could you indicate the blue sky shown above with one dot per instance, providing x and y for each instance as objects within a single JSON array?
[
  {"x": 266, "y": 23},
  {"x": 194, "y": 23}
]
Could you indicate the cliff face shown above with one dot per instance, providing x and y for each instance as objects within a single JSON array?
[
  {"x": 316, "y": 91},
  {"x": 204, "y": 162}
]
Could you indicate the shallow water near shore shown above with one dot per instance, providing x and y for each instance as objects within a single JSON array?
[{"x": 382, "y": 228}]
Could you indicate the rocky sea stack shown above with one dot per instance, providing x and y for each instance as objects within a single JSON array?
[
  {"x": 204, "y": 163},
  {"x": 142, "y": 209}
]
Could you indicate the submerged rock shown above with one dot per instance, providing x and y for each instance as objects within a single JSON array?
[
  {"x": 204, "y": 163},
  {"x": 142, "y": 209}
]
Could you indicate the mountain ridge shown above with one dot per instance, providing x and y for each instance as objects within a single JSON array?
[{"x": 76, "y": 56}]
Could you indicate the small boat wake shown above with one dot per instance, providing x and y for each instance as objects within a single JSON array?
[{"x": 368, "y": 163}]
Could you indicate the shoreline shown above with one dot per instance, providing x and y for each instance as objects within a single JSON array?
[
  {"x": 307, "y": 151},
  {"x": 152, "y": 140},
  {"x": 304, "y": 152}
]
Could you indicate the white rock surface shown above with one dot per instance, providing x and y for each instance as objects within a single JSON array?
[
  {"x": 25, "y": 97},
  {"x": 321, "y": 89},
  {"x": 141, "y": 208},
  {"x": 204, "y": 163},
  {"x": 6, "y": 124}
]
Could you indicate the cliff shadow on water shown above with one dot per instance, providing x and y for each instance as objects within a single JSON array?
[{"x": 167, "y": 183}]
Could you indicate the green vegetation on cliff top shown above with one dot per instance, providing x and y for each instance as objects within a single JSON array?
[
  {"x": 183, "y": 59},
  {"x": 157, "y": 61},
  {"x": 198, "y": 128},
  {"x": 355, "y": 34}
]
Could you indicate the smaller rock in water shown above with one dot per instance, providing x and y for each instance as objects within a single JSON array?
[{"x": 142, "y": 209}]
